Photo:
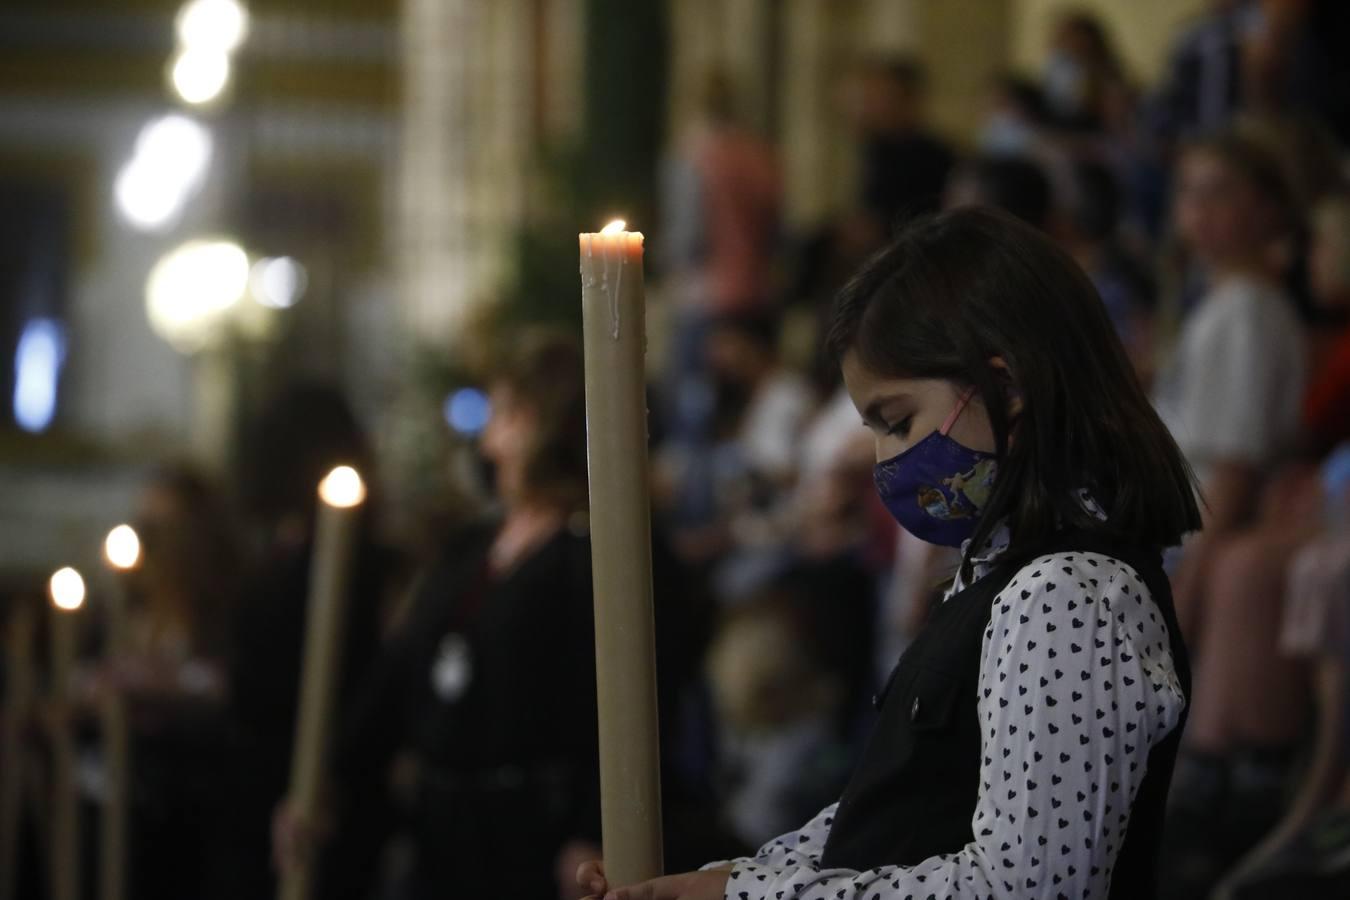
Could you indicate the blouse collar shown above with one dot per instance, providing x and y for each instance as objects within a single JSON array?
[{"x": 983, "y": 560}]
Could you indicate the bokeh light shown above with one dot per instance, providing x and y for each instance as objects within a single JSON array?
[
  {"x": 169, "y": 164},
  {"x": 278, "y": 282},
  {"x": 122, "y": 547},
  {"x": 37, "y": 368},
  {"x": 66, "y": 588},
  {"x": 199, "y": 75},
  {"x": 218, "y": 25},
  {"x": 342, "y": 488},
  {"x": 191, "y": 288},
  {"x": 467, "y": 411}
]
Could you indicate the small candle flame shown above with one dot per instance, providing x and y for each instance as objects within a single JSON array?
[
  {"x": 342, "y": 488},
  {"x": 67, "y": 589},
  {"x": 122, "y": 548},
  {"x": 614, "y": 227}
]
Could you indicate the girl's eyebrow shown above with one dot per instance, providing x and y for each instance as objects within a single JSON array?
[{"x": 872, "y": 412}]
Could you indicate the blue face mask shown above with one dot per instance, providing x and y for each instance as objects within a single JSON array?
[{"x": 937, "y": 489}]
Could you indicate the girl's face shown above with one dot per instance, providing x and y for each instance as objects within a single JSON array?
[
  {"x": 1219, "y": 214},
  {"x": 900, "y": 412}
]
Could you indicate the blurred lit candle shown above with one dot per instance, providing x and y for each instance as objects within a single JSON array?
[
  {"x": 341, "y": 494},
  {"x": 66, "y": 589},
  {"x": 614, "y": 322},
  {"x": 122, "y": 553}
]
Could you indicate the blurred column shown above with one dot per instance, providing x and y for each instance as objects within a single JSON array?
[
  {"x": 468, "y": 78},
  {"x": 695, "y": 47},
  {"x": 964, "y": 44},
  {"x": 562, "y": 48},
  {"x": 810, "y": 126},
  {"x": 746, "y": 40},
  {"x": 215, "y": 407},
  {"x": 733, "y": 36},
  {"x": 889, "y": 26}
]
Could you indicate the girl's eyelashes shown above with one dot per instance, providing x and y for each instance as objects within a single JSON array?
[{"x": 901, "y": 428}]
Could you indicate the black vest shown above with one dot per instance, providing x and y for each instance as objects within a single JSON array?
[{"x": 914, "y": 792}]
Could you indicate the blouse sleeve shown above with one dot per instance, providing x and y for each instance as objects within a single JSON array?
[
  {"x": 1076, "y": 686},
  {"x": 802, "y": 847}
]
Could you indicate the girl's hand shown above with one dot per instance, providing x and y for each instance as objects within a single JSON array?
[
  {"x": 572, "y": 860},
  {"x": 295, "y": 838},
  {"x": 591, "y": 878},
  {"x": 710, "y": 885}
]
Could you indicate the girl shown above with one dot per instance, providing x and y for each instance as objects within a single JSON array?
[{"x": 1025, "y": 739}]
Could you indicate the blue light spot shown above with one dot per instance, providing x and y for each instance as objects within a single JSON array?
[
  {"x": 467, "y": 411},
  {"x": 37, "y": 365}
]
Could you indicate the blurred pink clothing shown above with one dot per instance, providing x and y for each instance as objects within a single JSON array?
[
  {"x": 1317, "y": 609},
  {"x": 741, "y": 198}
]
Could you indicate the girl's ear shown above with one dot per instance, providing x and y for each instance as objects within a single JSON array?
[{"x": 1010, "y": 390}]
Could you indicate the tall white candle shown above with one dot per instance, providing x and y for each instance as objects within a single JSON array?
[
  {"x": 66, "y": 589},
  {"x": 122, "y": 551},
  {"x": 342, "y": 493},
  {"x": 614, "y": 323}
]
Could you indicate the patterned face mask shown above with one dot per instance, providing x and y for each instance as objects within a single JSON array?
[{"x": 937, "y": 488}]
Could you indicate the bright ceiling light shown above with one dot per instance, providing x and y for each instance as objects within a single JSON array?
[
  {"x": 278, "y": 282},
  {"x": 170, "y": 162},
  {"x": 218, "y": 25},
  {"x": 200, "y": 75},
  {"x": 191, "y": 288}
]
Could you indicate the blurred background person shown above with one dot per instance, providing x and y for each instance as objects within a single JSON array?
[
  {"x": 486, "y": 687},
  {"x": 903, "y": 163},
  {"x": 478, "y": 714},
  {"x": 722, "y": 198},
  {"x": 1084, "y": 83},
  {"x": 305, "y": 431},
  {"x": 181, "y": 600},
  {"x": 1231, "y": 395},
  {"x": 1091, "y": 230},
  {"x": 780, "y": 699}
]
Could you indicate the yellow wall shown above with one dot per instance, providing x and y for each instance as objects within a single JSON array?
[{"x": 1142, "y": 30}]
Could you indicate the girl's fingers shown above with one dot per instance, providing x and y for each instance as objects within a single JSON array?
[
  {"x": 591, "y": 876},
  {"x": 667, "y": 888},
  {"x": 710, "y": 885}
]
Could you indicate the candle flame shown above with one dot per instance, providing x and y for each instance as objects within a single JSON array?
[
  {"x": 342, "y": 488},
  {"x": 67, "y": 589},
  {"x": 122, "y": 548},
  {"x": 614, "y": 227}
]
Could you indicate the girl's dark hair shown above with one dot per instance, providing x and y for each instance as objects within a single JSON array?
[
  {"x": 956, "y": 290},
  {"x": 546, "y": 372}
]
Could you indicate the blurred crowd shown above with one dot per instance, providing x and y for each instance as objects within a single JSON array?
[{"x": 1211, "y": 211}]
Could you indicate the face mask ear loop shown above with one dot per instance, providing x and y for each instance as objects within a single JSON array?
[{"x": 956, "y": 412}]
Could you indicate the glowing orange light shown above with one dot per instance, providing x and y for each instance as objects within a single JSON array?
[
  {"x": 342, "y": 488},
  {"x": 67, "y": 589}
]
